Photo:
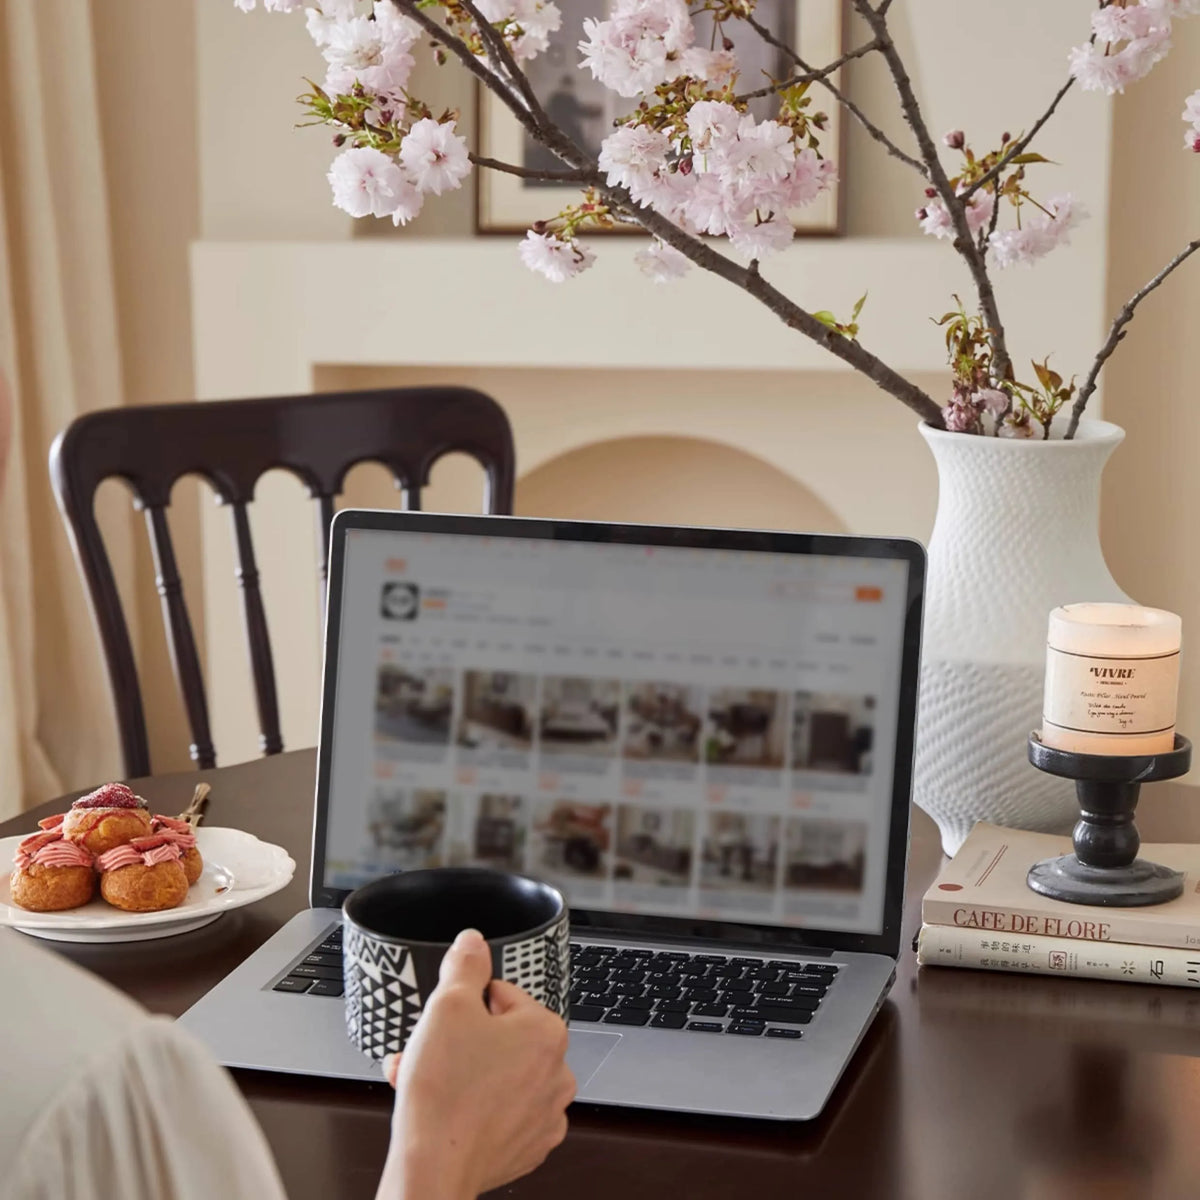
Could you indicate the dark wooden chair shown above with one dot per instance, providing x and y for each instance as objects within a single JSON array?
[{"x": 231, "y": 444}]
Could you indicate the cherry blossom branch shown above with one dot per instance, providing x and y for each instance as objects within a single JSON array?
[
  {"x": 1117, "y": 333},
  {"x": 1019, "y": 146},
  {"x": 464, "y": 54},
  {"x": 500, "y": 49},
  {"x": 813, "y": 76},
  {"x": 494, "y": 164},
  {"x": 586, "y": 172},
  {"x": 840, "y": 96},
  {"x": 964, "y": 243}
]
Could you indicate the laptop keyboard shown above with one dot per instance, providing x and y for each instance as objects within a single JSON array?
[
  {"x": 618, "y": 985},
  {"x": 708, "y": 993}
]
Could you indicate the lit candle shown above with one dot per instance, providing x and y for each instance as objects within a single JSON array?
[{"x": 1112, "y": 679}]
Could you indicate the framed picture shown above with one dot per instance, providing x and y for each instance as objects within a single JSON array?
[{"x": 586, "y": 109}]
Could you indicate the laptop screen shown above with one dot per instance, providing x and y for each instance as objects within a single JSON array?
[{"x": 672, "y": 731}]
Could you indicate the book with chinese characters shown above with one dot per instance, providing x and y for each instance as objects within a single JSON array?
[
  {"x": 948, "y": 946},
  {"x": 982, "y": 891}
]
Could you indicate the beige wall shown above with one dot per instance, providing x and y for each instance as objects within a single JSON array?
[
  {"x": 145, "y": 63},
  {"x": 1152, "y": 485}
]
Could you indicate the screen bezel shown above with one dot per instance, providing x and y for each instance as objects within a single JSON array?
[{"x": 597, "y": 921}]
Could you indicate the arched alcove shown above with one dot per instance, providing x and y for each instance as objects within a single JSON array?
[{"x": 671, "y": 481}]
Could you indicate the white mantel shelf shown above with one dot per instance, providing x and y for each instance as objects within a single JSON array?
[{"x": 265, "y": 312}]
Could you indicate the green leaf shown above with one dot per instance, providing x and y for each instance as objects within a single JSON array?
[
  {"x": 826, "y": 318},
  {"x": 858, "y": 308},
  {"x": 1022, "y": 159}
]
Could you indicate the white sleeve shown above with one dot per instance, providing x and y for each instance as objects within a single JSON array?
[{"x": 153, "y": 1118}]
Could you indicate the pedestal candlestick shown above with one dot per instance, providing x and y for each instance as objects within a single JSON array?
[{"x": 1105, "y": 868}]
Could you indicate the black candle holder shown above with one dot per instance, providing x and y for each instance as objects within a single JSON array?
[{"x": 1105, "y": 868}]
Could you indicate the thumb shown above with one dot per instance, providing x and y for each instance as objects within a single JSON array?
[{"x": 468, "y": 962}]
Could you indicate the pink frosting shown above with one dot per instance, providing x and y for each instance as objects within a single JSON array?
[
  {"x": 129, "y": 855},
  {"x": 50, "y": 850},
  {"x": 174, "y": 830}
]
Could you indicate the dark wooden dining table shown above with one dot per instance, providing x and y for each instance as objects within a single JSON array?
[{"x": 968, "y": 1085}]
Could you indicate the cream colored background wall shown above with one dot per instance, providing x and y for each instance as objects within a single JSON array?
[{"x": 1152, "y": 485}]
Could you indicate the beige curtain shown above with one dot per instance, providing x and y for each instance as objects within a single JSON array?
[{"x": 59, "y": 356}]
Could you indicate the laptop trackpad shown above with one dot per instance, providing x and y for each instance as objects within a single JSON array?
[{"x": 587, "y": 1052}]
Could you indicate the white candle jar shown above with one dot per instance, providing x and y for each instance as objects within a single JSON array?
[{"x": 1112, "y": 679}]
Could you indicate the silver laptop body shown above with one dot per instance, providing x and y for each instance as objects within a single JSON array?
[{"x": 702, "y": 737}]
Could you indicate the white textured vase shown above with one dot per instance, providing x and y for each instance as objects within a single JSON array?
[{"x": 1017, "y": 533}]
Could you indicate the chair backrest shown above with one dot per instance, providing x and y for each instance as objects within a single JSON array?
[{"x": 231, "y": 444}]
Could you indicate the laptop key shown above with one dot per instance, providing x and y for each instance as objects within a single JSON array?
[
  {"x": 642, "y": 1002},
  {"x": 626, "y": 1016},
  {"x": 289, "y": 984},
  {"x": 628, "y": 976},
  {"x": 710, "y": 1010},
  {"x": 307, "y": 971},
  {"x": 776, "y": 1032},
  {"x": 705, "y": 1026},
  {"x": 586, "y": 1012},
  {"x": 746, "y": 1028},
  {"x": 660, "y": 992},
  {"x": 324, "y": 960},
  {"x": 709, "y": 958},
  {"x": 774, "y": 989},
  {"x": 784, "y": 1016},
  {"x": 669, "y": 1020},
  {"x": 738, "y": 985},
  {"x": 808, "y": 989},
  {"x": 790, "y": 1003},
  {"x": 326, "y": 987},
  {"x": 673, "y": 1006},
  {"x": 701, "y": 994}
]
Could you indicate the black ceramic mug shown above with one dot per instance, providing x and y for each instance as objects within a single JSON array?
[{"x": 398, "y": 928}]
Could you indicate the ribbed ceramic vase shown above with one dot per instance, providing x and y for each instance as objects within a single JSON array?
[{"x": 1017, "y": 533}]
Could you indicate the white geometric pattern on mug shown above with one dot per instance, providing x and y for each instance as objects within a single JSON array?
[{"x": 383, "y": 1002}]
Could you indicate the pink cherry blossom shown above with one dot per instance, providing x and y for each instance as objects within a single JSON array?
[
  {"x": 434, "y": 156},
  {"x": 809, "y": 177},
  {"x": 279, "y": 6},
  {"x": 1191, "y": 140},
  {"x": 326, "y": 14},
  {"x": 628, "y": 52},
  {"x": 1040, "y": 232},
  {"x": 759, "y": 239},
  {"x": 1016, "y": 425},
  {"x": 366, "y": 182},
  {"x": 1098, "y": 69},
  {"x": 718, "y": 67},
  {"x": 373, "y": 53},
  {"x": 558, "y": 260},
  {"x": 760, "y": 151},
  {"x": 961, "y": 416},
  {"x": 991, "y": 400},
  {"x": 712, "y": 124},
  {"x": 1173, "y": 8},
  {"x": 1116, "y": 24},
  {"x": 707, "y": 207},
  {"x": 632, "y": 155},
  {"x": 1191, "y": 109},
  {"x": 662, "y": 263}
]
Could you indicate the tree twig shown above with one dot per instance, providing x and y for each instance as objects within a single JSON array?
[
  {"x": 1117, "y": 333},
  {"x": 571, "y": 176},
  {"x": 813, "y": 76},
  {"x": 964, "y": 243},
  {"x": 497, "y": 45},
  {"x": 1019, "y": 146},
  {"x": 840, "y": 96}
]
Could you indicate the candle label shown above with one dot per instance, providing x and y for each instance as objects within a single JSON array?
[{"x": 1116, "y": 696}]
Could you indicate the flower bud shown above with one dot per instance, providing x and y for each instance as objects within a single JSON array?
[
  {"x": 539, "y": 227},
  {"x": 1005, "y": 138},
  {"x": 921, "y": 214},
  {"x": 727, "y": 44},
  {"x": 955, "y": 139},
  {"x": 339, "y": 139},
  {"x": 1193, "y": 140},
  {"x": 930, "y": 192},
  {"x": 685, "y": 165}
]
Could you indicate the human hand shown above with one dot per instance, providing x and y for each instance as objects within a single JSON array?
[{"x": 481, "y": 1091}]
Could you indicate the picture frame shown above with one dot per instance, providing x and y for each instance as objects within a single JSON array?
[{"x": 509, "y": 204}]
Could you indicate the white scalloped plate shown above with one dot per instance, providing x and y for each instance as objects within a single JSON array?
[{"x": 239, "y": 869}]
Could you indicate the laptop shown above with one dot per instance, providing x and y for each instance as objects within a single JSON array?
[{"x": 702, "y": 737}]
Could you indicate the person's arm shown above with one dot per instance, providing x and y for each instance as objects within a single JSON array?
[{"x": 481, "y": 1091}]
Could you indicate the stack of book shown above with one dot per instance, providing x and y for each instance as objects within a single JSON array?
[{"x": 979, "y": 913}]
